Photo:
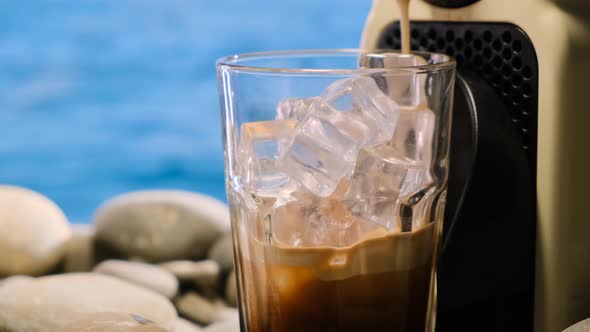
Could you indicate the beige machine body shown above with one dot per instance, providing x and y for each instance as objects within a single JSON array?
[{"x": 560, "y": 31}]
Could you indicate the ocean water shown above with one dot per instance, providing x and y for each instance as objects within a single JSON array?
[{"x": 101, "y": 97}]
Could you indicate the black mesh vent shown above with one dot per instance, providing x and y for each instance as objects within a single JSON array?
[{"x": 500, "y": 52}]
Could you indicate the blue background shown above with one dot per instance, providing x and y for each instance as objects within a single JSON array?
[{"x": 100, "y": 97}]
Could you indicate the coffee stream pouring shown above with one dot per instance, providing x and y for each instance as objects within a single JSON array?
[{"x": 515, "y": 207}]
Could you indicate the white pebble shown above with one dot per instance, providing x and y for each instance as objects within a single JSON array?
[
  {"x": 161, "y": 225},
  {"x": 49, "y": 303},
  {"x": 202, "y": 310},
  {"x": 149, "y": 276},
  {"x": 183, "y": 325},
  {"x": 204, "y": 274},
  {"x": 33, "y": 232}
]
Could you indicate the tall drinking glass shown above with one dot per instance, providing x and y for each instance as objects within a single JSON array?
[{"x": 336, "y": 169}]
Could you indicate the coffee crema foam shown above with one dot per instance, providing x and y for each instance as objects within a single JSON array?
[{"x": 379, "y": 252}]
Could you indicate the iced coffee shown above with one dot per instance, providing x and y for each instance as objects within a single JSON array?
[
  {"x": 381, "y": 283},
  {"x": 335, "y": 213}
]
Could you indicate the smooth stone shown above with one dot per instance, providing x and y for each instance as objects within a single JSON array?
[
  {"x": 232, "y": 325},
  {"x": 160, "y": 225},
  {"x": 223, "y": 253},
  {"x": 203, "y": 311},
  {"x": 79, "y": 256},
  {"x": 183, "y": 325},
  {"x": 48, "y": 303},
  {"x": 583, "y": 326},
  {"x": 149, "y": 276},
  {"x": 12, "y": 281},
  {"x": 112, "y": 322},
  {"x": 33, "y": 232},
  {"x": 231, "y": 290},
  {"x": 205, "y": 274},
  {"x": 227, "y": 313}
]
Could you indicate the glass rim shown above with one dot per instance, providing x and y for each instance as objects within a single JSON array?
[{"x": 234, "y": 62}]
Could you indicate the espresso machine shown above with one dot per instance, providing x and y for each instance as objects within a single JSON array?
[{"x": 516, "y": 254}]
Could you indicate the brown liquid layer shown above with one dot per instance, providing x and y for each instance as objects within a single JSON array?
[{"x": 380, "y": 284}]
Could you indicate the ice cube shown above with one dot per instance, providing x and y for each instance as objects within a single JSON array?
[
  {"x": 381, "y": 182},
  {"x": 361, "y": 99},
  {"x": 415, "y": 209},
  {"x": 406, "y": 85},
  {"x": 294, "y": 108},
  {"x": 414, "y": 134},
  {"x": 351, "y": 114},
  {"x": 318, "y": 222},
  {"x": 259, "y": 148}
]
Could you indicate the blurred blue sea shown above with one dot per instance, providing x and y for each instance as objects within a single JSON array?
[{"x": 100, "y": 97}]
